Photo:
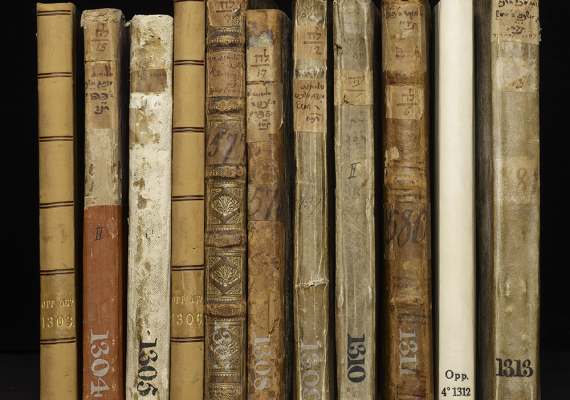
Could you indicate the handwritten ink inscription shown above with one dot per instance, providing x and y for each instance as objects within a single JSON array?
[
  {"x": 406, "y": 231},
  {"x": 515, "y": 21},
  {"x": 265, "y": 202},
  {"x": 261, "y": 64},
  {"x": 225, "y": 145},
  {"x": 521, "y": 179},
  {"x": 100, "y": 94},
  {"x": 222, "y": 12},
  {"x": 99, "y": 47},
  {"x": 226, "y": 74},
  {"x": 310, "y": 105},
  {"x": 353, "y": 87},
  {"x": 404, "y": 102},
  {"x": 149, "y": 81},
  {"x": 264, "y": 110},
  {"x": 310, "y": 43},
  {"x": 403, "y": 24}
]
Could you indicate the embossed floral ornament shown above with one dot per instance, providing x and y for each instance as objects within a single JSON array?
[
  {"x": 225, "y": 205},
  {"x": 226, "y": 275}
]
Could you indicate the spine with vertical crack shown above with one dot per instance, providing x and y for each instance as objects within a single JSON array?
[
  {"x": 150, "y": 159},
  {"x": 407, "y": 241}
]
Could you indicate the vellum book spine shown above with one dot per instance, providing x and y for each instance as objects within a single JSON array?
[
  {"x": 106, "y": 58},
  {"x": 508, "y": 198},
  {"x": 58, "y": 200},
  {"x": 454, "y": 211},
  {"x": 268, "y": 132},
  {"x": 150, "y": 159},
  {"x": 187, "y": 303},
  {"x": 355, "y": 125},
  {"x": 311, "y": 256},
  {"x": 225, "y": 236},
  {"x": 407, "y": 240}
]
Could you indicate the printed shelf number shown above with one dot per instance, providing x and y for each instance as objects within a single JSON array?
[
  {"x": 457, "y": 392},
  {"x": 310, "y": 377},
  {"x": 99, "y": 367},
  {"x": 356, "y": 373},
  {"x": 506, "y": 368},
  {"x": 262, "y": 367},
  {"x": 147, "y": 372}
]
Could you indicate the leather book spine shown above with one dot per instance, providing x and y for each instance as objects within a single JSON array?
[
  {"x": 313, "y": 357},
  {"x": 105, "y": 136},
  {"x": 508, "y": 197},
  {"x": 407, "y": 239},
  {"x": 355, "y": 299},
  {"x": 454, "y": 205},
  {"x": 267, "y": 55},
  {"x": 187, "y": 315},
  {"x": 58, "y": 200},
  {"x": 225, "y": 235},
  {"x": 149, "y": 255}
]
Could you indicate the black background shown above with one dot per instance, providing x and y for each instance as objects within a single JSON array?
[{"x": 19, "y": 296}]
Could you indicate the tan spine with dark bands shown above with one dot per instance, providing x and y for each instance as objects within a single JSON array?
[
  {"x": 187, "y": 300},
  {"x": 58, "y": 200}
]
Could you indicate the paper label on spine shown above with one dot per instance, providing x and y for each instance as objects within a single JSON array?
[
  {"x": 149, "y": 81},
  {"x": 262, "y": 64},
  {"x": 310, "y": 105},
  {"x": 310, "y": 43},
  {"x": 515, "y": 21},
  {"x": 100, "y": 94},
  {"x": 517, "y": 74},
  {"x": 225, "y": 70},
  {"x": 353, "y": 87},
  {"x": 404, "y": 102},
  {"x": 264, "y": 110},
  {"x": 221, "y": 12},
  {"x": 402, "y": 29}
]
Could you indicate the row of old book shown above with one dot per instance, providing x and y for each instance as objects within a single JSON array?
[{"x": 277, "y": 177}]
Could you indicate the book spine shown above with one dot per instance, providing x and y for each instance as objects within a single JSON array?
[
  {"x": 150, "y": 158},
  {"x": 355, "y": 300},
  {"x": 508, "y": 171},
  {"x": 454, "y": 211},
  {"x": 407, "y": 241},
  {"x": 311, "y": 258},
  {"x": 187, "y": 316},
  {"x": 225, "y": 237},
  {"x": 58, "y": 200},
  {"x": 103, "y": 363},
  {"x": 267, "y": 38}
]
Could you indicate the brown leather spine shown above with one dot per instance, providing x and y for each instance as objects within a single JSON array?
[
  {"x": 508, "y": 198},
  {"x": 409, "y": 347},
  {"x": 311, "y": 98},
  {"x": 187, "y": 306},
  {"x": 105, "y": 134},
  {"x": 355, "y": 128},
  {"x": 225, "y": 236},
  {"x": 58, "y": 199},
  {"x": 267, "y": 44}
]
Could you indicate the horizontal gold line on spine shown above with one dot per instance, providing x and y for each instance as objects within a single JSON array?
[
  {"x": 188, "y": 62},
  {"x": 56, "y": 139},
  {"x": 57, "y": 204},
  {"x": 57, "y": 272},
  {"x": 53, "y": 12},
  {"x": 55, "y": 75},
  {"x": 187, "y": 198},
  {"x": 182, "y": 129},
  {"x": 187, "y": 267},
  {"x": 193, "y": 339},
  {"x": 58, "y": 341}
]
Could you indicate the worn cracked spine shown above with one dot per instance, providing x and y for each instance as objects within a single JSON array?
[
  {"x": 106, "y": 59},
  {"x": 407, "y": 241},
  {"x": 454, "y": 204},
  {"x": 58, "y": 200},
  {"x": 313, "y": 356},
  {"x": 187, "y": 316},
  {"x": 269, "y": 132},
  {"x": 355, "y": 128},
  {"x": 225, "y": 236},
  {"x": 150, "y": 159},
  {"x": 508, "y": 198}
]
